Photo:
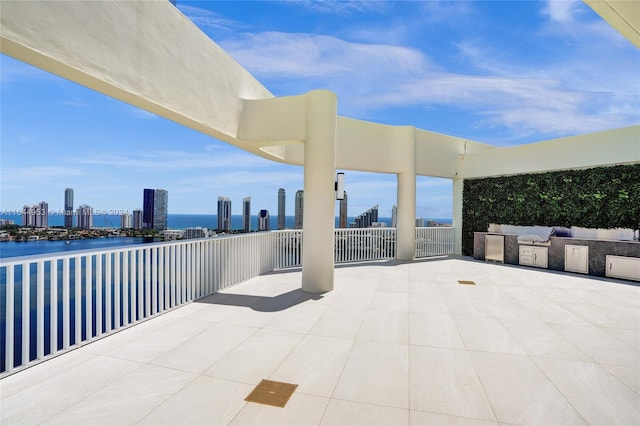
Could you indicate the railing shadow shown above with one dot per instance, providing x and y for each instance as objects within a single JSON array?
[{"x": 261, "y": 303}]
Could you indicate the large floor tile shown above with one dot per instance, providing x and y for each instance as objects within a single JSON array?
[
  {"x": 43, "y": 400},
  {"x": 300, "y": 410},
  {"x": 29, "y": 377},
  {"x": 202, "y": 350},
  {"x": 444, "y": 381},
  {"x": 127, "y": 400},
  {"x": 341, "y": 412},
  {"x": 339, "y": 322},
  {"x": 314, "y": 364},
  {"x": 486, "y": 334},
  {"x": 257, "y": 357},
  {"x": 420, "y": 418},
  {"x": 539, "y": 339},
  {"x": 297, "y": 319},
  {"x": 599, "y": 345},
  {"x": 376, "y": 373},
  {"x": 391, "y": 301},
  {"x": 205, "y": 400},
  {"x": 431, "y": 302},
  {"x": 520, "y": 393},
  {"x": 385, "y": 326},
  {"x": 149, "y": 346},
  {"x": 597, "y": 395},
  {"x": 438, "y": 330},
  {"x": 629, "y": 375}
]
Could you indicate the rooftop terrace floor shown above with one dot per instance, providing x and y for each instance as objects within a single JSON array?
[{"x": 394, "y": 343}]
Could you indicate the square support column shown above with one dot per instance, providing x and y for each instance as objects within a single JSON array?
[
  {"x": 406, "y": 231},
  {"x": 457, "y": 215},
  {"x": 319, "y": 192}
]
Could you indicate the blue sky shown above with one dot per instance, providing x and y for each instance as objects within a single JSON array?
[{"x": 503, "y": 73}]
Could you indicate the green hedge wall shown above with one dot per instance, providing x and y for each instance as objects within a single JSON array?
[{"x": 600, "y": 197}]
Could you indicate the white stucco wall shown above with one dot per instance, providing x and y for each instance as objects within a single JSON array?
[
  {"x": 145, "y": 53},
  {"x": 619, "y": 146}
]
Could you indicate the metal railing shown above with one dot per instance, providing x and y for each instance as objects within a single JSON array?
[
  {"x": 434, "y": 241},
  {"x": 50, "y": 304}
]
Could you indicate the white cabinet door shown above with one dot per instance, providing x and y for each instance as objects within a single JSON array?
[
  {"x": 540, "y": 257},
  {"x": 623, "y": 267},
  {"x": 576, "y": 258}
]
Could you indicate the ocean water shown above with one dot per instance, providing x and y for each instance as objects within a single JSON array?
[
  {"x": 179, "y": 221},
  {"x": 174, "y": 221}
]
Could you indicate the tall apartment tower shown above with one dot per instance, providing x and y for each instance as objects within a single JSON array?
[
  {"x": 137, "y": 219},
  {"x": 125, "y": 220},
  {"x": 85, "y": 216},
  {"x": 281, "y": 208},
  {"x": 343, "y": 211},
  {"x": 147, "y": 208},
  {"x": 154, "y": 209},
  {"x": 366, "y": 219},
  {"x": 224, "y": 214},
  {"x": 36, "y": 216},
  {"x": 68, "y": 208},
  {"x": 263, "y": 221},
  {"x": 160, "y": 209},
  {"x": 299, "y": 209},
  {"x": 246, "y": 214},
  {"x": 394, "y": 216}
]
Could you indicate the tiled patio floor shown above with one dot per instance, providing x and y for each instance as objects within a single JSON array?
[{"x": 392, "y": 344}]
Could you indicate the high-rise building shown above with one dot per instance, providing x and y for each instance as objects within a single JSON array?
[
  {"x": 125, "y": 220},
  {"x": 419, "y": 222},
  {"x": 281, "y": 208},
  {"x": 36, "y": 215},
  {"x": 343, "y": 211},
  {"x": 137, "y": 219},
  {"x": 246, "y": 214},
  {"x": 299, "y": 211},
  {"x": 394, "y": 216},
  {"x": 85, "y": 216},
  {"x": 196, "y": 232},
  {"x": 154, "y": 209},
  {"x": 263, "y": 221},
  {"x": 366, "y": 219},
  {"x": 160, "y": 209},
  {"x": 42, "y": 215},
  {"x": 68, "y": 208},
  {"x": 224, "y": 214},
  {"x": 147, "y": 208}
]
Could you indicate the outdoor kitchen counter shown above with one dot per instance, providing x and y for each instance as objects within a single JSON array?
[{"x": 598, "y": 250}]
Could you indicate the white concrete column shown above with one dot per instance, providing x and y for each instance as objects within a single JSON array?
[
  {"x": 319, "y": 192},
  {"x": 457, "y": 215},
  {"x": 406, "y": 229}
]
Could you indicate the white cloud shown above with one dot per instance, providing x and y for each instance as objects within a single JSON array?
[
  {"x": 339, "y": 7},
  {"x": 305, "y": 56},
  {"x": 175, "y": 160},
  {"x": 28, "y": 175},
  {"x": 208, "y": 19},
  {"x": 509, "y": 93},
  {"x": 561, "y": 11}
]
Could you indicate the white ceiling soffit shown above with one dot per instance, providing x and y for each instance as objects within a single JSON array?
[{"x": 623, "y": 15}]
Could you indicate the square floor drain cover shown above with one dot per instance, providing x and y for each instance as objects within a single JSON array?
[
  {"x": 271, "y": 393},
  {"x": 466, "y": 282}
]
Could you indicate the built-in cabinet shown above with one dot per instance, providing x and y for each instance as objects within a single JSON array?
[
  {"x": 576, "y": 258},
  {"x": 534, "y": 256},
  {"x": 616, "y": 259},
  {"x": 623, "y": 267}
]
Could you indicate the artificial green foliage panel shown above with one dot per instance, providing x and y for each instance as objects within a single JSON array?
[{"x": 601, "y": 197}]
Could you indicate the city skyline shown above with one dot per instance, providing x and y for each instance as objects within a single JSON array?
[{"x": 504, "y": 73}]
